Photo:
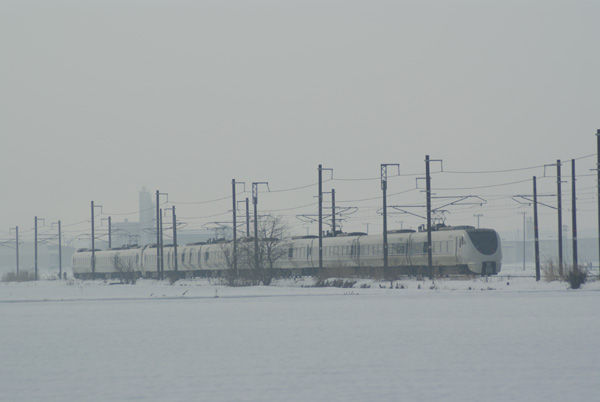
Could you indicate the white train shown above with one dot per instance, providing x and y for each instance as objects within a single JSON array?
[{"x": 461, "y": 249}]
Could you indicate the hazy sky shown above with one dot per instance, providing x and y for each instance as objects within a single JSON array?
[{"x": 101, "y": 98}]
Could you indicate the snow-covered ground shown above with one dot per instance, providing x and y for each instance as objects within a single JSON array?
[{"x": 459, "y": 340}]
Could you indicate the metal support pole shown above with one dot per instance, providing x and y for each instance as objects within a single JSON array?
[
  {"x": 36, "y": 248},
  {"x": 93, "y": 244},
  {"x": 320, "y": 196},
  {"x": 17, "y": 246},
  {"x": 254, "y": 203},
  {"x": 535, "y": 231},
  {"x": 174, "y": 238},
  {"x": 162, "y": 255},
  {"x": 385, "y": 238},
  {"x": 59, "y": 251},
  {"x": 428, "y": 193},
  {"x": 598, "y": 173},
  {"x": 234, "y": 212},
  {"x": 109, "y": 233},
  {"x": 157, "y": 235},
  {"x": 559, "y": 207},
  {"x": 247, "y": 218},
  {"x": 333, "y": 211},
  {"x": 574, "y": 212}
]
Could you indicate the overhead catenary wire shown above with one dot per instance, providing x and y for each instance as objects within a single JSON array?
[{"x": 508, "y": 170}]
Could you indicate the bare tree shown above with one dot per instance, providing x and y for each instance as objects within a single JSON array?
[
  {"x": 231, "y": 273},
  {"x": 272, "y": 245},
  {"x": 125, "y": 269}
]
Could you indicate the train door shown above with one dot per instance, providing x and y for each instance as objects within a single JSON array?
[
  {"x": 309, "y": 254},
  {"x": 355, "y": 251},
  {"x": 409, "y": 246}
]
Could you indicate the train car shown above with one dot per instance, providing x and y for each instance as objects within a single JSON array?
[
  {"x": 461, "y": 249},
  {"x": 109, "y": 263}
]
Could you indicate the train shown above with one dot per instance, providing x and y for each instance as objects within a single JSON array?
[{"x": 455, "y": 249}]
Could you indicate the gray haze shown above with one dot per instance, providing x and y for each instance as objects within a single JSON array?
[{"x": 101, "y": 98}]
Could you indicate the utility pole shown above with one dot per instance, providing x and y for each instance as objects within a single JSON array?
[
  {"x": 162, "y": 255},
  {"x": 477, "y": 216},
  {"x": 109, "y": 234},
  {"x": 59, "y": 251},
  {"x": 247, "y": 218},
  {"x": 93, "y": 239},
  {"x": 255, "y": 203},
  {"x": 559, "y": 207},
  {"x": 93, "y": 244},
  {"x": 598, "y": 173},
  {"x": 174, "y": 237},
  {"x": 535, "y": 231},
  {"x": 333, "y": 211},
  {"x": 574, "y": 211},
  {"x": 320, "y": 197},
  {"x": 428, "y": 194},
  {"x": 36, "y": 248},
  {"x": 234, "y": 213},
  {"x": 158, "y": 234},
  {"x": 17, "y": 243},
  {"x": 159, "y": 255},
  {"x": 383, "y": 179}
]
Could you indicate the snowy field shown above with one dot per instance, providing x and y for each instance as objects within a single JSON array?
[{"x": 505, "y": 339}]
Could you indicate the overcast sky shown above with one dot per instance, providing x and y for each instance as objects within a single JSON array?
[{"x": 101, "y": 98}]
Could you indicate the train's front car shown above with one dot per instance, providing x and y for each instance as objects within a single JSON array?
[{"x": 481, "y": 251}]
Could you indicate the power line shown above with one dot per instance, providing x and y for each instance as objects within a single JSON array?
[
  {"x": 507, "y": 170},
  {"x": 378, "y": 197},
  {"x": 484, "y": 186}
]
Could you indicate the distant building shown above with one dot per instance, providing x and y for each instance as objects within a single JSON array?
[{"x": 125, "y": 233}]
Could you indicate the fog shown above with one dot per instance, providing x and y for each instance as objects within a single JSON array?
[{"x": 101, "y": 98}]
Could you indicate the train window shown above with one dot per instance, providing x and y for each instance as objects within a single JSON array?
[
  {"x": 290, "y": 252},
  {"x": 206, "y": 256}
]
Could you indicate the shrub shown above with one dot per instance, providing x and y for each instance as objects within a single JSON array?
[
  {"x": 334, "y": 283},
  {"x": 550, "y": 271},
  {"x": 576, "y": 277},
  {"x": 23, "y": 276}
]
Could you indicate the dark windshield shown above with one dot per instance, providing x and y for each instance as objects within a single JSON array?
[{"x": 484, "y": 240}]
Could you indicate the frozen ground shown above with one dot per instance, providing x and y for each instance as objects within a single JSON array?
[{"x": 463, "y": 340}]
